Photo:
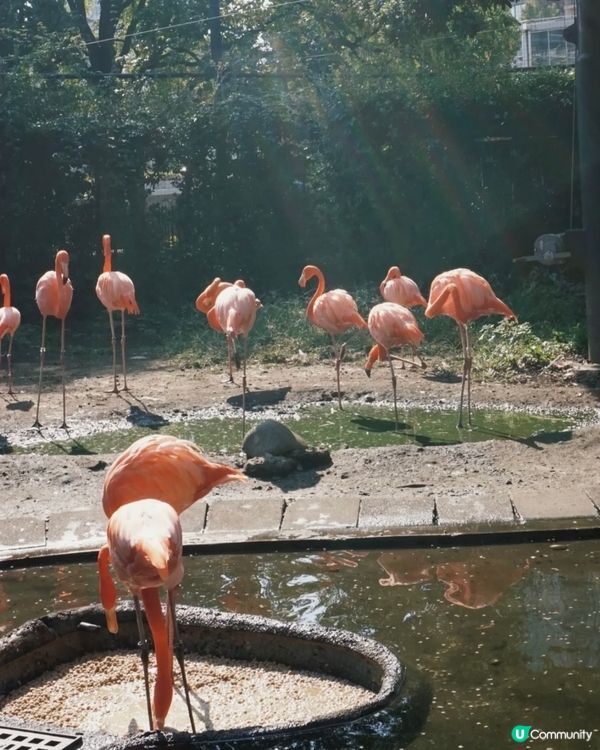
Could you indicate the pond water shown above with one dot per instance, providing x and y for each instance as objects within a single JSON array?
[
  {"x": 492, "y": 637},
  {"x": 356, "y": 426}
]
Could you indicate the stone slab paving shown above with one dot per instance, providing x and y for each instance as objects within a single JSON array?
[
  {"x": 329, "y": 513},
  {"x": 545, "y": 502},
  {"x": 258, "y": 514},
  {"x": 75, "y": 527},
  {"x": 21, "y": 533},
  {"x": 194, "y": 518},
  {"x": 474, "y": 509},
  {"x": 393, "y": 512}
]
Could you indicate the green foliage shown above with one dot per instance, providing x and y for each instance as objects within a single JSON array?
[
  {"x": 553, "y": 304},
  {"x": 356, "y": 134},
  {"x": 506, "y": 348}
]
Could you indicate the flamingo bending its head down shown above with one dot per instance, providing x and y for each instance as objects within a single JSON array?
[
  {"x": 334, "y": 311},
  {"x": 392, "y": 325},
  {"x": 53, "y": 295},
  {"x": 464, "y": 296},
  {"x": 116, "y": 292},
  {"x": 144, "y": 546},
  {"x": 169, "y": 470},
  {"x": 10, "y": 319}
]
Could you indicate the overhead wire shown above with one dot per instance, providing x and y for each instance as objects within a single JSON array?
[{"x": 226, "y": 14}]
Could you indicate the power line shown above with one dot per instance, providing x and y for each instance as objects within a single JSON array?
[{"x": 240, "y": 11}]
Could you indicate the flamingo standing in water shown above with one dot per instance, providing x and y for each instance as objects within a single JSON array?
[
  {"x": 53, "y": 295},
  {"x": 334, "y": 311},
  {"x": 10, "y": 318},
  {"x": 235, "y": 311},
  {"x": 116, "y": 292},
  {"x": 169, "y": 470},
  {"x": 464, "y": 296},
  {"x": 393, "y": 325},
  {"x": 145, "y": 549}
]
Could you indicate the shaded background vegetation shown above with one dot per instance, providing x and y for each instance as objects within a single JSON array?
[{"x": 352, "y": 133}]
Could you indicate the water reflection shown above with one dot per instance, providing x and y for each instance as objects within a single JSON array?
[
  {"x": 491, "y": 637},
  {"x": 478, "y": 581}
]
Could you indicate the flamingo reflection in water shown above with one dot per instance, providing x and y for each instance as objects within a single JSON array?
[{"x": 474, "y": 582}]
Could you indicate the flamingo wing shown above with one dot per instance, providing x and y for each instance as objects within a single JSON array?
[
  {"x": 116, "y": 292},
  {"x": 165, "y": 468},
  {"x": 336, "y": 311}
]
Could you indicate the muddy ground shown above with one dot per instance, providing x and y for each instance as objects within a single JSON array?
[{"x": 36, "y": 484}]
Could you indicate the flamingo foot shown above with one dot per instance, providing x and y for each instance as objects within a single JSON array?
[{"x": 64, "y": 426}]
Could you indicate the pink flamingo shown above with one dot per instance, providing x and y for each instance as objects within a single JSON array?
[
  {"x": 116, "y": 292},
  {"x": 464, "y": 296},
  {"x": 144, "y": 546},
  {"x": 165, "y": 468},
  {"x": 392, "y": 325},
  {"x": 235, "y": 312},
  {"x": 172, "y": 471},
  {"x": 400, "y": 289},
  {"x": 205, "y": 303},
  {"x": 53, "y": 295},
  {"x": 334, "y": 311},
  {"x": 10, "y": 319}
]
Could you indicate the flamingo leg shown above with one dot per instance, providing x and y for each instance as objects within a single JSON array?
[
  {"x": 42, "y": 355},
  {"x": 230, "y": 356},
  {"x": 178, "y": 651},
  {"x": 9, "y": 365},
  {"x": 62, "y": 367},
  {"x": 463, "y": 334},
  {"x": 416, "y": 355},
  {"x": 244, "y": 387},
  {"x": 469, "y": 358},
  {"x": 113, "y": 339},
  {"x": 144, "y": 654},
  {"x": 338, "y": 353},
  {"x": 1, "y": 354},
  {"x": 394, "y": 385},
  {"x": 125, "y": 388}
]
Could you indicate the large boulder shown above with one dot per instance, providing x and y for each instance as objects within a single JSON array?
[{"x": 274, "y": 438}]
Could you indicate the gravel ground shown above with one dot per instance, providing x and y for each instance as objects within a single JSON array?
[
  {"x": 106, "y": 693},
  {"x": 38, "y": 484}
]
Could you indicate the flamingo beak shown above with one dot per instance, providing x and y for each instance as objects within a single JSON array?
[
  {"x": 64, "y": 272},
  {"x": 302, "y": 281}
]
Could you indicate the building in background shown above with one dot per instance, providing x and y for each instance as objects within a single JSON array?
[{"x": 542, "y": 25}]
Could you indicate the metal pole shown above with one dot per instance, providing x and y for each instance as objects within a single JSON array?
[{"x": 588, "y": 116}]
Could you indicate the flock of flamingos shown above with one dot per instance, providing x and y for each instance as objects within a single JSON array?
[
  {"x": 230, "y": 308},
  {"x": 158, "y": 477}
]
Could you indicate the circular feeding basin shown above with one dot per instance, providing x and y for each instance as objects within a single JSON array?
[{"x": 250, "y": 677}]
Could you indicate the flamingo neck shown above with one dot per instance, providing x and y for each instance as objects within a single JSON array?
[
  {"x": 107, "y": 268},
  {"x": 163, "y": 687},
  {"x": 58, "y": 272},
  {"x": 6, "y": 290},
  {"x": 319, "y": 290}
]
